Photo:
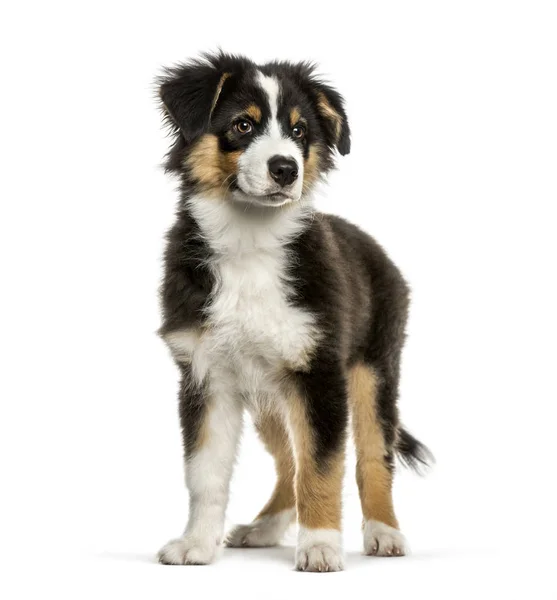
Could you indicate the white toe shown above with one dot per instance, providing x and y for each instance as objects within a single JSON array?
[
  {"x": 383, "y": 540},
  {"x": 319, "y": 550},
  {"x": 264, "y": 532},
  {"x": 188, "y": 551}
]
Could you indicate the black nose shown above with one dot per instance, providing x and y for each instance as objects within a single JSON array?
[{"x": 283, "y": 169}]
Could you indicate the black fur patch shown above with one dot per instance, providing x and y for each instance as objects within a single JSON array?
[
  {"x": 192, "y": 408},
  {"x": 187, "y": 280},
  {"x": 361, "y": 301}
]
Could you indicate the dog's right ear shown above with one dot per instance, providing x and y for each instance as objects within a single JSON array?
[{"x": 189, "y": 94}]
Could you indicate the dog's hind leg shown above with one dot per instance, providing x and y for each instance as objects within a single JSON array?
[
  {"x": 271, "y": 523},
  {"x": 369, "y": 390}
]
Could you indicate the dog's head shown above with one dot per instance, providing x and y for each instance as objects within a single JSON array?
[{"x": 249, "y": 133}]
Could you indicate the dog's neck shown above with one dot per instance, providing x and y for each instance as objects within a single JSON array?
[{"x": 231, "y": 229}]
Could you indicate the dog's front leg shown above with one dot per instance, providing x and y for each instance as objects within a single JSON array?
[
  {"x": 318, "y": 415},
  {"x": 211, "y": 418}
]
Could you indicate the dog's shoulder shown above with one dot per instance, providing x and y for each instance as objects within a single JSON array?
[{"x": 188, "y": 280}]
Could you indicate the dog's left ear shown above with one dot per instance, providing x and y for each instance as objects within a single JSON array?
[
  {"x": 330, "y": 105},
  {"x": 189, "y": 94}
]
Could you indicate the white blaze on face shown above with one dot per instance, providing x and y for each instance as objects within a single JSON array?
[{"x": 253, "y": 168}]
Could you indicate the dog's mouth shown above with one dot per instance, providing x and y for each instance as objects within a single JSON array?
[{"x": 272, "y": 199}]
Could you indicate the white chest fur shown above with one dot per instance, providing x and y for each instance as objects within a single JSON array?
[{"x": 253, "y": 329}]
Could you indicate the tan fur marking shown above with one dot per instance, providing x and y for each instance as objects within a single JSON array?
[
  {"x": 209, "y": 166},
  {"x": 318, "y": 491},
  {"x": 295, "y": 116},
  {"x": 203, "y": 433},
  {"x": 224, "y": 77},
  {"x": 254, "y": 112},
  {"x": 311, "y": 167},
  {"x": 273, "y": 433},
  {"x": 373, "y": 477},
  {"x": 330, "y": 113},
  {"x": 229, "y": 162}
]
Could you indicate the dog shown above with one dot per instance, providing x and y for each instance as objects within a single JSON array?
[{"x": 267, "y": 305}]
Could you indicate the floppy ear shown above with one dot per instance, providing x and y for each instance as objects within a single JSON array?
[
  {"x": 189, "y": 94},
  {"x": 330, "y": 106}
]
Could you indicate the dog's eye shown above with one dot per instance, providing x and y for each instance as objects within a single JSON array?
[
  {"x": 243, "y": 127},
  {"x": 299, "y": 131}
]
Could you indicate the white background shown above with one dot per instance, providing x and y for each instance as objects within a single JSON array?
[{"x": 453, "y": 107}]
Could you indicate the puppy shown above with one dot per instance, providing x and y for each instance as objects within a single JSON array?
[{"x": 272, "y": 307}]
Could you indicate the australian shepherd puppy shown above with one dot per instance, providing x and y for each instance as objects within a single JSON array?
[{"x": 272, "y": 307}]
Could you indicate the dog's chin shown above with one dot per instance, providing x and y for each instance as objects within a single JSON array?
[{"x": 271, "y": 200}]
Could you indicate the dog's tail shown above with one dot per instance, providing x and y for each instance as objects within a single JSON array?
[{"x": 412, "y": 453}]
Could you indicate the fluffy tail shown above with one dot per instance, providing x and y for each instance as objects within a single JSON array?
[{"x": 412, "y": 453}]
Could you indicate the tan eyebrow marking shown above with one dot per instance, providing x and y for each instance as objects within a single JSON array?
[
  {"x": 295, "y": 116},
  {"x": 254, "y": 112}
]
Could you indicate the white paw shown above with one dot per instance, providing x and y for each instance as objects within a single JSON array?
[
  {"x": 319, "y": 550},
  {"x": 383, "y": 540},
  {"x": 188, "y": 551},
  {"x": 266, "y": 531}
]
